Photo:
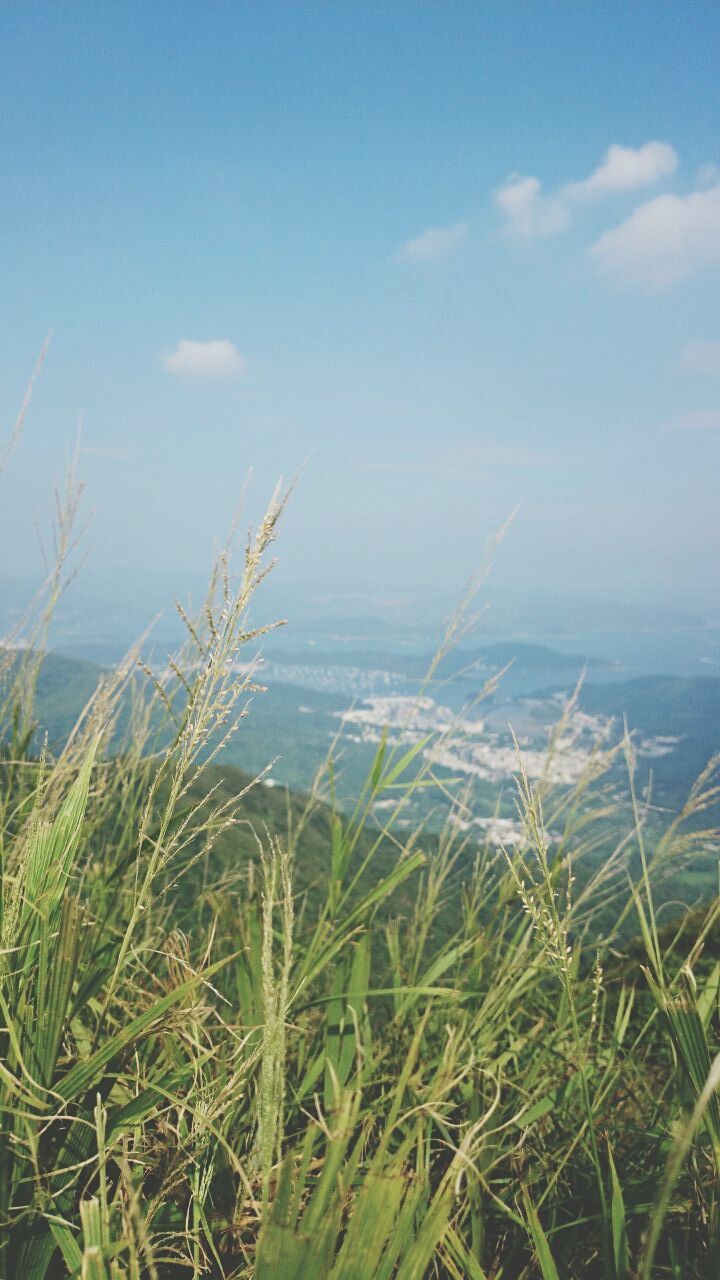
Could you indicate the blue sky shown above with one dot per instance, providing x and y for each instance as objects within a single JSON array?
[{"x": 457, "y": 255}]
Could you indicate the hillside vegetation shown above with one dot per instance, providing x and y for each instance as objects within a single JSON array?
[{"x": 245, "y": 1035}]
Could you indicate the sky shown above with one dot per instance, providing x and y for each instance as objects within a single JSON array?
[{"x": 443, "y": 258}]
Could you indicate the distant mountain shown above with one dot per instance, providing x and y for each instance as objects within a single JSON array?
[
  {"x": 525, "y": 658},
  {"x": 297, "y": 723},
  {"x": 661, "y": 704},
  {"x": 529, "y": 657},
  {"x": 671, "y": 707},
  {"x": 64, "y": 686}
]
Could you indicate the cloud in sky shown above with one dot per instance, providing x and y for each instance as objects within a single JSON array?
[
  {"x": 664, "y": 240},
  {"x": 530, "y": 212},
  {"x": 626, "y": 169},
  {"x": 697, "y": 420},
  {"x": 702, "y": 357},
  {"x": 707, "y": 175},
  {"x": 218, "y": 358},
  {"x": 435, "y": 242}
]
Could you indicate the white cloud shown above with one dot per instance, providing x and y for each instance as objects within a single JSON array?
[
  {"x": 216, "y": 359},
  {"x": 530, "y": 212},
  {"x": 626, "y": 169},
  {"x": 665, "y": 239},
  {"x": 707, "y": 175},
  {"x": 435, "y": 242},
  {"x": 702, "y": 357},
  {"x": 698, "y": 420}
]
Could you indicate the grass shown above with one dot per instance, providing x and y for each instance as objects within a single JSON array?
[{"x": 432, "y": 1059}]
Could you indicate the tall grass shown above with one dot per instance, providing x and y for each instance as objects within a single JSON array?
[{"x": 458, "y": 1067}]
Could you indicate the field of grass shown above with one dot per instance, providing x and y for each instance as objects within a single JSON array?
[{"x": 251, "y": 1035}]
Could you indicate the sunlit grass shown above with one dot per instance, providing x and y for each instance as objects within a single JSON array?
[{"x": 440, "y": 1060}]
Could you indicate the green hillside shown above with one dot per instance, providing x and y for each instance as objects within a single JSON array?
[
  {"x": 687, "y": 709},
  {"x": 249, "y": 1034}
]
